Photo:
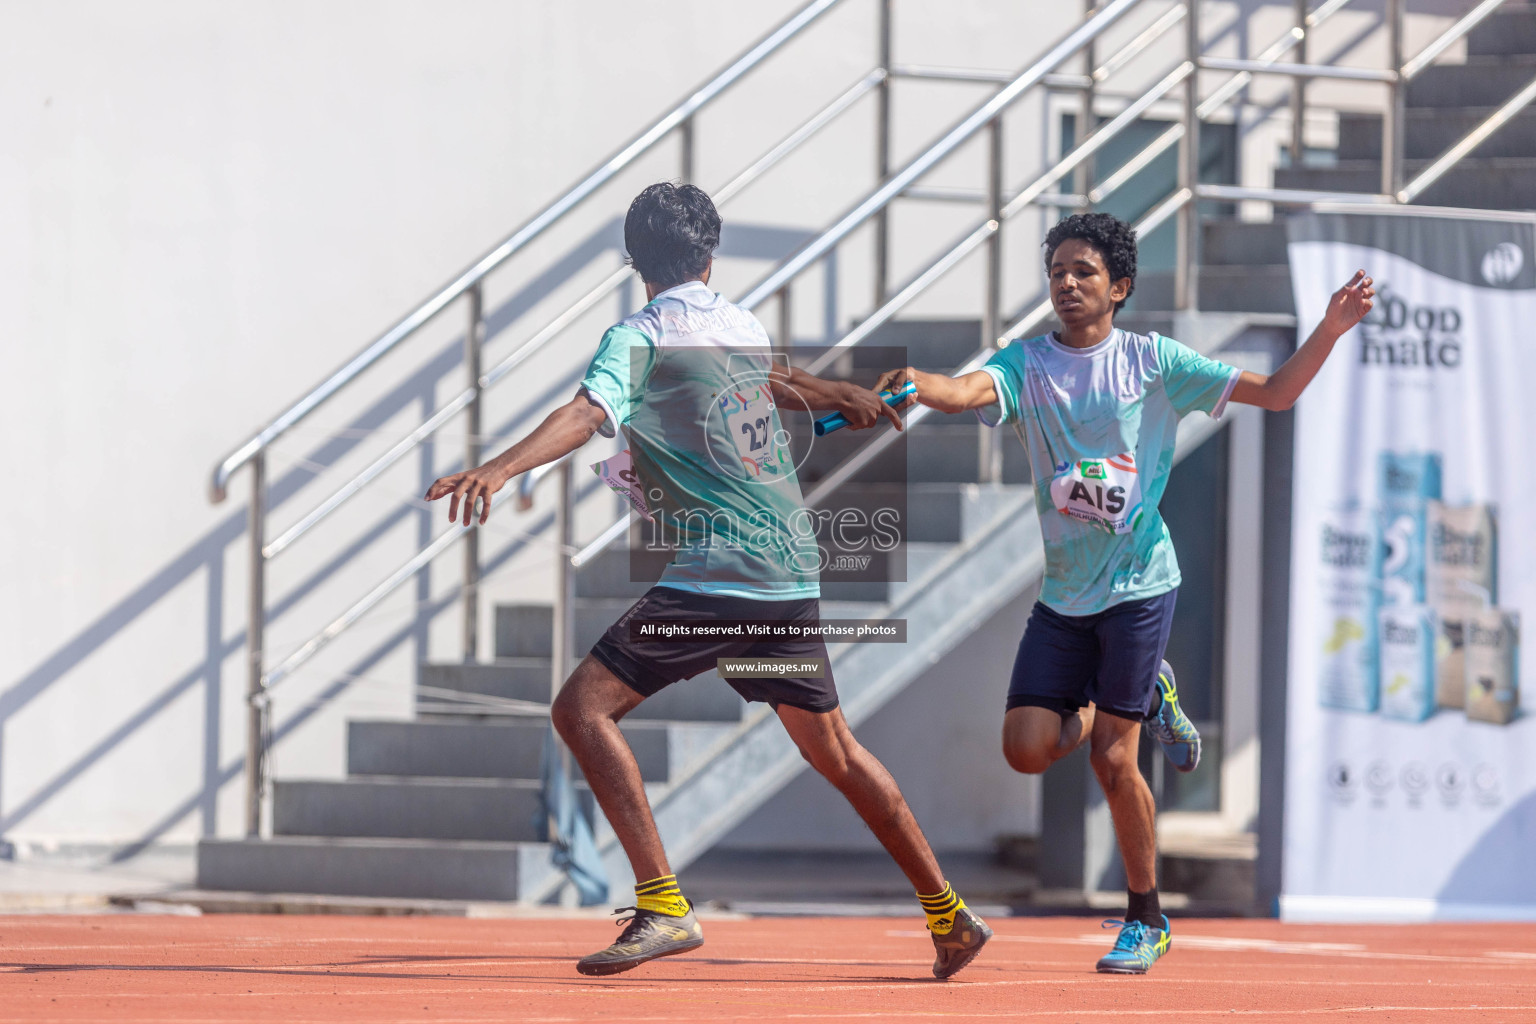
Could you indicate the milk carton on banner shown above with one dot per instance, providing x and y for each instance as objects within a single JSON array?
[
  {"x": 1407, "y": 475},
  {"x": 1405, "y": 647},
  {"x": 1405, "y": 485},
  {"x": 1493, "y": 665},
  {"x": 1347, "y": 608},
  {"x": 1460, "y": 579}
]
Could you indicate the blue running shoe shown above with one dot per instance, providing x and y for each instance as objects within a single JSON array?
[
  {"x": 1137, "y": 947},
  {"x": 1171, "y": 727}
]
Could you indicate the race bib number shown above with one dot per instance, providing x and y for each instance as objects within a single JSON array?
[
  {"x": 749, "y": 420},
  {"x": 1101, "y": 492},
  {"x": 619, "y": 473}
]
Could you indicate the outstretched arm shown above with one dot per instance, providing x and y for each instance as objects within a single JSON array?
[
  {"x": 794, "y": 388},
  {"x": 1280, "y": 389},
  {"x": 562, "y": 432},
  {"x": 974, "y": 390}
]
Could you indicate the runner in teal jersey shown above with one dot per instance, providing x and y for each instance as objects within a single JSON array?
[
  {"x": 1098, "y": 409},
  {"x": 691, "y": 383}
]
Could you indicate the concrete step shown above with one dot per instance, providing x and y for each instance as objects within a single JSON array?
[
  {"x": 1495, "y": 183},
  {"x": 510, "y": 750},
  {"x": 384, "y": 807},
  {"x": 1153, "y": 294},
  {"x": 929, "y": 344},
  {"x": 703, "y": 699},
  {"x": 505, "y": 679},
  {"x": 1226, "y": 289},
  {"x": 1251, "y": 289},
  {"x": 1430, "y": 132},
  {"x": 1509, "y": 30},
  {"x": 1146, "y": 321},
  {"x": 1480, "y": 82},
  {"x": 524, "y": 630},
  {"x": 942, "y": 449},
  {"x": 402, "y": 868},
  {"x": 1238, "y": 243}
]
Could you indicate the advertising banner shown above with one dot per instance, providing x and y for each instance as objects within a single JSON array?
[{"x": 1411, "y": 732}]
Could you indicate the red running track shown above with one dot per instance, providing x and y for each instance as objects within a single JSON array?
[{"x": 210, "y": 970}]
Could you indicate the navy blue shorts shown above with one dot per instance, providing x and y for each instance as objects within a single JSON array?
[{"x": 1109, "y": 658}]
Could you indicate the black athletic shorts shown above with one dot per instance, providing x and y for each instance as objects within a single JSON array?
[
  {"x": 1109, "y": 658},
  {"x": 648, "y": 666}
]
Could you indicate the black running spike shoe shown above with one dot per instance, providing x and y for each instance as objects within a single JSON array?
[
  {"x": 649, "y": 935},
  {"x": 960, "y": 944}
]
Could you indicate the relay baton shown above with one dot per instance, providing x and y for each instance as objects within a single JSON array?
[{"x": 837, "y": 420}]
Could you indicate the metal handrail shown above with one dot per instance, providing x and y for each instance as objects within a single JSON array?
[
  {"x": 1215, "y": 101},
  {"x": 795, "y": 138},
  {"x": 1299, "y": 70},
  {"x": 1132, "y": 49},
  {"x": 476, "y": 271},
  {"x": 1027, "y": 195},
  {"x": 925, "y": 161},
  {"x": 535, "y": 343},
  {"x": 953, "y": 256},
  {"x": 530, "y": 480},
  {"x": 1267, "y": 61},
  {"x": 1465, "y": 24},
  {"x": 1476, "y": 137}
]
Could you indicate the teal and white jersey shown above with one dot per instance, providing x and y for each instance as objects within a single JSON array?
[
  {"x": 1099, "y": 425},
  {"x": 687, "y": 381}
]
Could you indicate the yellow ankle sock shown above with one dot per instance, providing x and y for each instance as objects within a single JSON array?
[
  {"x": 662, "y": 896},
  {"x": 940, "y": 909}
]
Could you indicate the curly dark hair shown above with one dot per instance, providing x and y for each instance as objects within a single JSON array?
[
  {"x": 1113, "y": 237},
  {"x": 671, "y": 233}
]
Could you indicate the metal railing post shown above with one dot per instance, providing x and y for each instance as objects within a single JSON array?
[
  {"x": 685, "y": 135},
  {"x": 1184, "y": 279},
  {"x": 1085, "y": 117},
  {"x": 255, "y": 637},
  {"x": 786, "y": 320},
  {"x": 990, "y": 452},
  {"x": 1392, "y": 123},
  {"x": 564, "y": 640},
  {"x": 474, "y": 336},
  {"x": 1299, "y": 87},
  {"x": 883, "y": 150}
]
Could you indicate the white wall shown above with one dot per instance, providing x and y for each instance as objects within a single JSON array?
[{"x": 206, "y": 208}]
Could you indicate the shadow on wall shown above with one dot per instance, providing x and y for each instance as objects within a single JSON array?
[
  {"x": 207, "y": 555},
  {"x": 1498, "y": 869}
]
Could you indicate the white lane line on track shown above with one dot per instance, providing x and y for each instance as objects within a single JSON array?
[
  {"x": 1075, "y": 1015},
  {"x": 820, "y": 1014},
  {"x": 710, "y": 989},
  {"x": 1227, "y": 944}
]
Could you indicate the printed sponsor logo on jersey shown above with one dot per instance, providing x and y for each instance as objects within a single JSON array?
[{"x": 1101, "y": 492}]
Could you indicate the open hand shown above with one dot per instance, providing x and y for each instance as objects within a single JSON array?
[
  {"x": 895, "y": 380},
  {"x": 478, "y": 483},
  {"x": 1350, "y": 303}
]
